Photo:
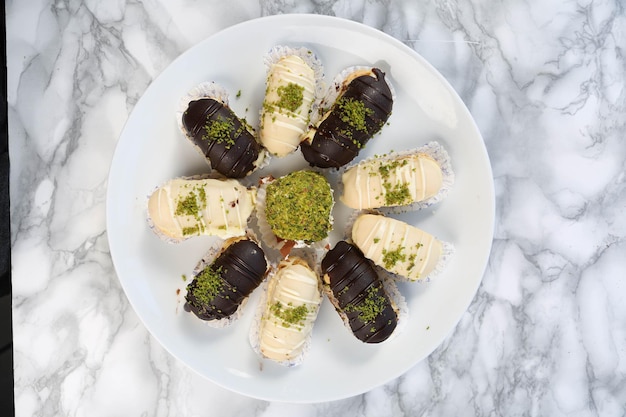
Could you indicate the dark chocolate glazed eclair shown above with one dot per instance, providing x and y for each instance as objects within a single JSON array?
[
  {"x": 222, "y": 137},
  {"x": 362, "y": 108},
  {"x": 219, "y": 289},
  {"x": 356, "y": 291}
]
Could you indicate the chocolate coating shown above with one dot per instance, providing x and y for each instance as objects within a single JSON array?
[
  {"x": 351, "y": 277},
  {"x": 235, "y": 160},
  {"x": 243, "y": 267},
  {"x": 336, "y": 142}
]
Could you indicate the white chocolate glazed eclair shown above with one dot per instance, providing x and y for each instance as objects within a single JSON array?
[
  {"x": 182, "y": 208},
  {"x": 289, "y": 95},
  {"x": 396, "y": 246},
  {"x": 293, "y": 299},
  {"x": 383, "y": 182}
]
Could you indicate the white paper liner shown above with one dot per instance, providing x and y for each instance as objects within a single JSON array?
[
  {"x": 447, "y": 252},
  {"x": 433, "y": 149},
  {"x": 396, "y": 298},
  {"x": 214, "y": 251},
  {"x": 254, "y": 334},
  {"x": 216, "y": 92},
  {"x": 174, "y": 240},
  {"x": 270, "y": 239}
]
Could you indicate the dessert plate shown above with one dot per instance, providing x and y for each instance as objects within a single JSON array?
[{"x": 151, "y": 150}]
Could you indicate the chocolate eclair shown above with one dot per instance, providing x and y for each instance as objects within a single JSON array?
[
  {"x": 219, "y": 289},
  {"x": 355, "y": 289},
  {"x": 362, "y": 108},
  {"x": 221, "y": 137}
]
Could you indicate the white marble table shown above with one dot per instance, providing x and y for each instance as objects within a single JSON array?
[{"x": 545, "y": 81}]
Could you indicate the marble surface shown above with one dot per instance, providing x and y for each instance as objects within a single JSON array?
[{"x": 545, "y": 81}]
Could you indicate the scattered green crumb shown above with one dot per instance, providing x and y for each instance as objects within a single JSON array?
[
  {"x": 373, "y": 304},
  {"x": 291, "y": 96},
  {"x": 354, "y": 113},
  {"x": 206, "y": 286},
  {"x": 184, "y": 277},
  {"x": 392, "y": 257},
  {"x": 187, "y": 206},
  {"x": 238, "y": 94},
  {"x": 193, "y": 230},
  {"x": 289, "y": 315},
  {"x": 221, "y": 131},
  {"x": 397, "y": 194},
  {"x": 298, "y": 206}
]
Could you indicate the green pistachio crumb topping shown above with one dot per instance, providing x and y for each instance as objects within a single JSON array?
[
  {"x": 289, "y": 315},
  {"x": 397, "y": 194},
  {"x": 392, "y": 257},
  {"x": 187, "y": 206},
  {"x": 373, "y": 304},
  {"x": 206, "y": 285},
  {"x": 192, "y": 230},
  {"x": 298, "y": 206},
  {"x": 220, "y": 131},
  {"x": 291, "y": 96},
  {"x": 354, "y": 113},
  {"x": 192, "y": 205}
]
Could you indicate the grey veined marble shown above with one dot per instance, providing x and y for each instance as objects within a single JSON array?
[{"x": 545, "y": 82}]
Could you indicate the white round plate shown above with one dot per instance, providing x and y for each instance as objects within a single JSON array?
[{"x": 151, "y": 150}]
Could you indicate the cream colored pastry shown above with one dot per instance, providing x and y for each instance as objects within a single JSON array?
[
  {"x": 396, "y": 246},
  {"x": 293, "y": 300},
  {"x": 381, "y": 182},
  {"x": 182, "y": 208},
  {"x": 289, "y": 95}
]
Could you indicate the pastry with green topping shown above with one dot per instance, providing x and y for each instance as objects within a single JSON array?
[
  {"x": 359, "y": 294},
  {"x": 186, "y": 207},
  {"x": 396, "y": 246},
  {"x": 288, "y": 312},
  {"x": 289, "y": 97},
  {"x": 226, "y": 141},
  {"x": 360, "y": 110},
  {"x": 296, "y": 208},
  {"x": 389, "y": 182},
  {"x": 220, "y": 287}
]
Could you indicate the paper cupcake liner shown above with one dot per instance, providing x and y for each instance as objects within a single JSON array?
[
  {"x": 214, "y": 251},
  {"x": 434, "y": 150},
  {"x": 254, "y": 334}
]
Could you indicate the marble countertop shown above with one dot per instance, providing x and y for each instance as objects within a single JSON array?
[{"x": 546, "y": 84}]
